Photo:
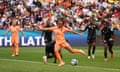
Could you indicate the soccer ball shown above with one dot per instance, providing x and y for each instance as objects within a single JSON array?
[{"x": 74, "y": 62}]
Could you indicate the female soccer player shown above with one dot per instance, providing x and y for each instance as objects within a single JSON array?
[
  {"x": 91, "y": 39},
  {"x": 108, "y": 40},
  {"x": 14, "y": 29},
  {"x": 59, "y": 31}
]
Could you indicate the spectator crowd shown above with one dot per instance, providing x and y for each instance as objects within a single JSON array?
[{"x": 31, "y": 13}]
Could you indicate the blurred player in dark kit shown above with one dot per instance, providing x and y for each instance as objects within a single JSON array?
[
  {"x": 91, "y": 38},
  {"x": 108, "y": 40}
]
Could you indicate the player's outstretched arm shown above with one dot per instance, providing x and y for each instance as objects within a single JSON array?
[
  {"x": 81, "y": 30},
  {"x": 74, "y": 32},
  {"x": 44, "y": 29}
]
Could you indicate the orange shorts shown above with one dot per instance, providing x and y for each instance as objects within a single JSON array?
[
  {"x": 61, "y": 45},
  {"x": 15, "y": 40}
]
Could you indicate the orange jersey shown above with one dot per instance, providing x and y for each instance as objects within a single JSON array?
[
  {"x": 14, "y": 30},
  {"x": 59, "y": 34}
]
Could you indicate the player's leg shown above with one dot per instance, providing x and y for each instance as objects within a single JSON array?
[
  {"x": 58, "y": 56},
  {"x": 110, "y": 45},
  {"x": 93, "y": 50},
  {"x": 50, "y": 50},
  {"x": 46, "y": 54},
  {"x": 105, "y": 52},
  {"x": 13, "y": 49},
  {"x": 70, "y": 49},
  {"x": 89, "y": 50},
  {"x": 17, "y": 48},
  {"x": 13, "y": 46},
  {"x": 89, "y": 41},
  {"x": 47, "y": 51},
  {"x": 53, "y": 49},
  {"x": 55, "y": 59}
]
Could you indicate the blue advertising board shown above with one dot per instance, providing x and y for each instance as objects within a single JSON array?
[{"x": 33, "y": 38}]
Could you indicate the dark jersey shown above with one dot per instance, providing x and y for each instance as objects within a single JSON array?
[
  {"x": 107, "y": 33},
  {"x": 91, "y": 31},
  {"x": 47, "y": 35}
]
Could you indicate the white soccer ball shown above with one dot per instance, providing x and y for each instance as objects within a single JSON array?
[{"x": 74, "y": 62}]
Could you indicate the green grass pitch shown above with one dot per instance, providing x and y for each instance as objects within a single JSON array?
[{"x": 30, "y": 60}]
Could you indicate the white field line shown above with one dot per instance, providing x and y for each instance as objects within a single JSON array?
[{"x": 89, "y": 67}]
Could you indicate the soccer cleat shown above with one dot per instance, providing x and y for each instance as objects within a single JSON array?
[
  {"x": 44, "y": 59},
  {"x": 112, "y": 56},
  {"x": 105, "y": 59},
  {"x": 61, "y": 64},
  {"x": 17, "y": 54},
  {"x": 89, "y": 57},
  {"x": 93, "y": 56}
]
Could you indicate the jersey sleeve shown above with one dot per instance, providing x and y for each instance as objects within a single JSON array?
[{"x": 67, "y": 30}]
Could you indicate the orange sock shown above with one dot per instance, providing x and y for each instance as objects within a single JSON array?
[
  {"x": 13, "y": 50},
  {"x": 57, "y": 54},
  {"x": 17, "y": 49}
]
